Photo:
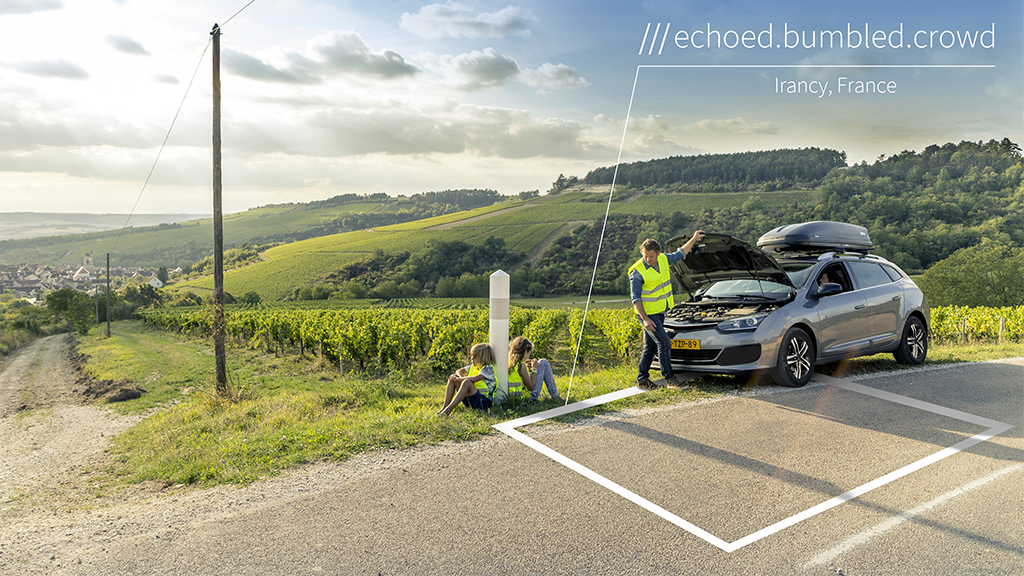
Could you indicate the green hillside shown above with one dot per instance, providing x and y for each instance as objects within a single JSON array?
[
  {"x": 524, "y": 227},
  {"x": 919, "y": 209},
  {"x": 170, "y": 245},
  {"x": 174, "y": 245}
]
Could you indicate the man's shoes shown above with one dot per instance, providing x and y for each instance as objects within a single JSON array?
[
  {"x": 646, "y": 384},
  {"x": 674, "y": 384}
]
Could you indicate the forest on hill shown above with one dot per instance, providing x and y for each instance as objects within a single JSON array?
[
  {"x": 919, "y": 209},
  {"x": 765, "y": 170},
  {"x": 392, "y": 211}
]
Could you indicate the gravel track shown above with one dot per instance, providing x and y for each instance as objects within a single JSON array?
[{"x": 55, "y": 508}]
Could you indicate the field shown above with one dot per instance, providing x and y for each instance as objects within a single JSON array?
[
  {"x": 238, "y": 228},
  {"x": 523, "y": 226},
  {"x": 291, "y": 409},
  {"x": 438, "y": 333}
]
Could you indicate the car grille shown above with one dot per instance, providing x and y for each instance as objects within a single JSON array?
[
  {"x": 695, "y": 356},
  {"x": 731, "y": 356}
]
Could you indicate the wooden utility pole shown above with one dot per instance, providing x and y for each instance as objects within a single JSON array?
[
  {"x": 218, "y": 228},
  {"x": 108, "y": 294}
]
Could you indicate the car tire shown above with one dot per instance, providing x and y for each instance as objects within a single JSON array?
[
  {"x": 794, "y": 365},
  {"x": 913, "y": 348}
]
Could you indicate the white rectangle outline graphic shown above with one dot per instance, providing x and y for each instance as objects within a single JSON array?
[{"x": 995, "y": 428}]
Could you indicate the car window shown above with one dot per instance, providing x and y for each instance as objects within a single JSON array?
[
  {"x": 744, "y": 287},
  {"x": 835, "y": 274},
  {"x": 892, "y": 272},
  {"x": 869, "y": 274},
  {"x": 798, "y": 272}
]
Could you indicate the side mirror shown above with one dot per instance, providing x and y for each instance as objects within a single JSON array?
[{"x": 827, "y": 289}]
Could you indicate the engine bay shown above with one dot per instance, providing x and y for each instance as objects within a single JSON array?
[{"x": 708, "y": 313}]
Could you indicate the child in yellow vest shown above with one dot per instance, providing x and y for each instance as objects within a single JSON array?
[
  {"x": 529, "y": 372},
  {"x": 473, "y": 385}
]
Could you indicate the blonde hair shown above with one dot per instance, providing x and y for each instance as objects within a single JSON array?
[
  {"x": 482, "y": 354},
  {"x": 517, "y": 349}
]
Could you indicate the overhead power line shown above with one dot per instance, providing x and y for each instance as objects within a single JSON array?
[{"x": 171, "y": 127}]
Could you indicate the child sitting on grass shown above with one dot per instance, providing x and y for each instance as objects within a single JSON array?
[
  {"x": 473, "y": 385},
  {"x": 529, "y": 372}
]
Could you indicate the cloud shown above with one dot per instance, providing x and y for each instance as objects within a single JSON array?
[
  {"x": 30, "y": 133},
  {"x": 457, "y": 20},
  {"x": 481, "y": 70},
  {"x": 488, "y": 69},
  {"x": 50, "y": 69},
  {"x": 862, "y": 60},
  {"x": 29, "y": 6},
  {"x": 734, "y": 126},
  {"x": 166, "y": 79},
  {"x": 348, "y": 52},
  {"x": 513, "y": 134},
  {"x": 330, "y": 55},
  {"x": 554, "y": 77},
  {"x": 655, "y": 145},
  {"x": 648, "y": 123},
  {"x": 1004, "y": 88},
  {"x": 253, "y": 68},
  {"x": 127, "y": 45},
  {"x": 653, "y": 140},
  {"x": 448, "y": 128}
]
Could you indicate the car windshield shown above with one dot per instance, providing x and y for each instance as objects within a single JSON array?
[
  {"x": 745, "y": 289},
  {"x": 798, "y": 272}
]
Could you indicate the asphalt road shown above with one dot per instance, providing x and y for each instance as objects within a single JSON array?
[{"x": 731, "y": 468}]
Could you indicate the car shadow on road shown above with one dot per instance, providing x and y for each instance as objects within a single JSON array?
[{"x": 876, "y": 420}]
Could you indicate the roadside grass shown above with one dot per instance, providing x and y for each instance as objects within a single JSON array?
[
  {"x": 162, "y": 365},
  {"x": 291, "y": 410}
]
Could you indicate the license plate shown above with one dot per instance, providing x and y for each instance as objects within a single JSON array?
[{"x": 686, "y": 344}]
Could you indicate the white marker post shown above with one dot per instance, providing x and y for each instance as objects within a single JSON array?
[{"x": 499, "y": 332}]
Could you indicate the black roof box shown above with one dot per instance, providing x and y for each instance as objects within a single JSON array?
[{"x": 820, "y": 236}]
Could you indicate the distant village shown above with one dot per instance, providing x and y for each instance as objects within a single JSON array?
[{"x": 34, "y": 282}]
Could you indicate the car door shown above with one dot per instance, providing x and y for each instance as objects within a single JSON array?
[
  {"x": 842, "y": 324},
  {"x": 884, "y": 299}
]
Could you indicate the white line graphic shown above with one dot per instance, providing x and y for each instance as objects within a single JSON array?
[{"x": 995, "y": 428}]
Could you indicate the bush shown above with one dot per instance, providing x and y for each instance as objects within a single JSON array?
[{"x": 989, "y": 274}]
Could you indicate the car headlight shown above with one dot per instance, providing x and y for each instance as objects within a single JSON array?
[{"x": 741, "y": 324}]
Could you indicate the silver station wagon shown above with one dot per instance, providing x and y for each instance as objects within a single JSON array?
[{"x": 807, "y": 294}]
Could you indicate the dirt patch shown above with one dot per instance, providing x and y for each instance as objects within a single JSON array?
[{"x": 99, "y": 390}]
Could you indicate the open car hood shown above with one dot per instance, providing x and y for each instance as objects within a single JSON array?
[{"x": 722, "y": 257}]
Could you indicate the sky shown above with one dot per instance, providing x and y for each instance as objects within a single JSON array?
[{"x": 321, "y": 98}]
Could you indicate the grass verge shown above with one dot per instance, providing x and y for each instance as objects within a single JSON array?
[{"x": 292, "y": 410}]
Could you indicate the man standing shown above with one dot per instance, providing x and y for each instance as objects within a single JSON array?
[{"x": 650, "y": 288}]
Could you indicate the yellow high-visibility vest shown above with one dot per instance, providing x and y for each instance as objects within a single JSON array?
[
  {"x": 515, "y": 381},
  {"x": 656, "y": 294},
  {"x": 480, "y": 384}
]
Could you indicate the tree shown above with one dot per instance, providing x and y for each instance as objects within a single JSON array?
[
  {"x": 162, "y": 275},
  {"x": 74, "y": 306},
  {"x": 988, "y": 274},
  {"x": 250, "y": 297}
]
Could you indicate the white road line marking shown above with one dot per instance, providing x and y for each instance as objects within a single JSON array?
[
  {"x": 912, "y": 402},
  {"x": 996, "y": 428},
  {"x": 871, "y": 533}
]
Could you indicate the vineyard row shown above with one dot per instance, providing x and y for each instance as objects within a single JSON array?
[{"x": 389, "y": 338}]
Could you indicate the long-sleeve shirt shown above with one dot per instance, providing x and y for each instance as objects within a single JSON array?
[{"x": 636, "y": 281}]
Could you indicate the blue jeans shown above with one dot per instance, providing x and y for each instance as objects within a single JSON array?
[
  {"x": 659, "y": 343},
  {"x": 545, "y": 376}
]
